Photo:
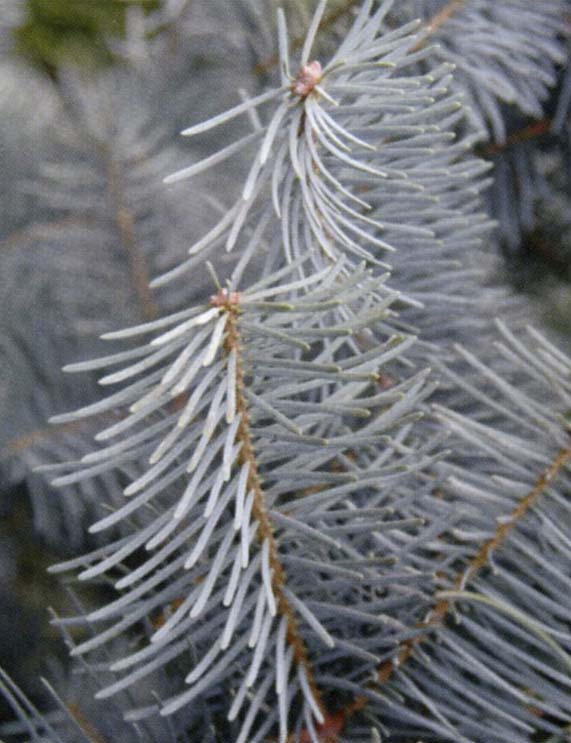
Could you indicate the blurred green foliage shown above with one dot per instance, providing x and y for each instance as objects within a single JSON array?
[{"x": 57, "y": 32}]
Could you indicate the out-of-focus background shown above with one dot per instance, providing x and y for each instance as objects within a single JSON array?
[{"x": 93, "y": 94}]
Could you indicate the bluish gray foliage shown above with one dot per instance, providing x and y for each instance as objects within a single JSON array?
[
  {"x": 328, "y": 497},
  {"x": 496, "y": 62}
]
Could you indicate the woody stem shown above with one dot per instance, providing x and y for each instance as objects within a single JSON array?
[{"x": 265, "y": 531}]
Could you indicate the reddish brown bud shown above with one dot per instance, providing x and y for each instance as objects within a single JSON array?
[
  {"x": 307, "y": 78},
  {"x": 225, "y": 298}
]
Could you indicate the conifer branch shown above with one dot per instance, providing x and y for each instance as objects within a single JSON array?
[
  {"x": 336, "y": 722},
  {"x": 436, "y": 617},
  {"x": 208, "y": 349},
  {"x": 480, "y": 560}
]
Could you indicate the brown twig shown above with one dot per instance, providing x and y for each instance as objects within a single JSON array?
[
  {"x": 525, "y": 134},
  {"x": 441, "y": 17},
  {"x": 265, "y": 532},
  {"x": 88, "y": 729},
  {"x": 478, "y": 562},
  {"x": 125, "y": 221}
]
